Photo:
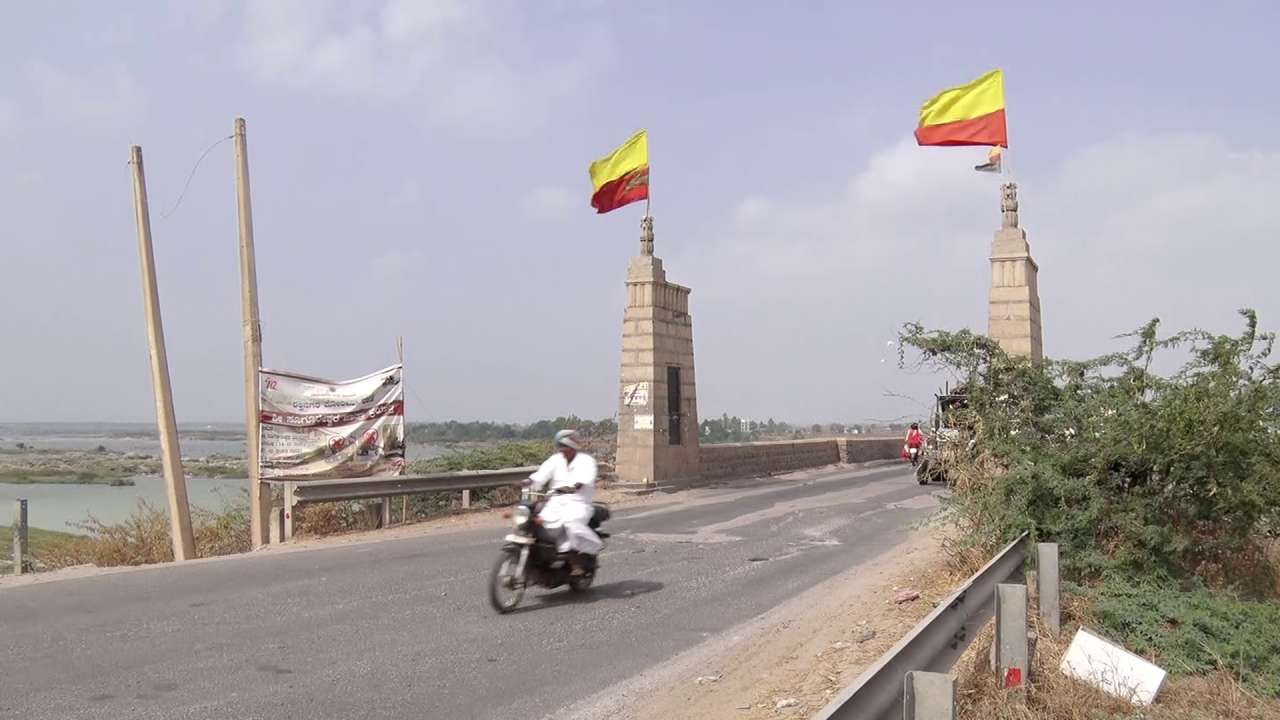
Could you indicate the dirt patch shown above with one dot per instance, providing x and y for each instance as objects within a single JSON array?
[{"x": 797, "y": 655}]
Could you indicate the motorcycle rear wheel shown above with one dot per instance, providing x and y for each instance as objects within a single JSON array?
[
  {"x": 581, "y": 583},
  {"x": 506, "y": 590}
]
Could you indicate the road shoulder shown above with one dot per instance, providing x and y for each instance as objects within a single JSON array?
[{"x": 804, "y": 650}]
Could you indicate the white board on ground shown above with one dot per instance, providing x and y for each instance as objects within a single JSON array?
[{"x": 1112, "y": 669}]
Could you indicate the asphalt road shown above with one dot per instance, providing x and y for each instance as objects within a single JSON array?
[{"x": 402, "y": 628}]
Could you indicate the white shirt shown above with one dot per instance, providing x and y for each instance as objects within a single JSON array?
[{"x": 556, "y": 472}]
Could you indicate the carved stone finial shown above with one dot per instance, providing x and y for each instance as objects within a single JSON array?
[
  {"x": 1009, "y": 204},
  {"x": 646, "y": 235}
]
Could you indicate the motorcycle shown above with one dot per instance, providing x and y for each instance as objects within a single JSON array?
[
  {"x": 530, "y": 556},
  {"x": 920, "y": 463}
]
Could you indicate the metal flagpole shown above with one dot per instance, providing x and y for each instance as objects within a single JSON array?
[{"x": 1005, "y": 166}]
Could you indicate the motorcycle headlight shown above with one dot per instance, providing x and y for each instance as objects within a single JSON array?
[{"x": 520, "y": 515}]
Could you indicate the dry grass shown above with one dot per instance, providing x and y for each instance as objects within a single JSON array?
[
  {"x": 1050, "y": 695},
  {"x": 144, "y": 538},
  {"x": 1053, "y": 696}
]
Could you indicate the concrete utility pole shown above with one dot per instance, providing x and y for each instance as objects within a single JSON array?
[
  {"x": 259, "y": 492},
  {"x": 184, "y": 547}
]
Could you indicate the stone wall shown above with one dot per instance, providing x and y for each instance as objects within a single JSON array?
[
  {"x": 856, "y": 450},
  {"x": 744, "y": 460}
]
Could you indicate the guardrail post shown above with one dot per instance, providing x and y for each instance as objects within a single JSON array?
[
  {"x": 466, "y": 499},
  {"x": 20, "y": 536},
  {"x": 1050, "y": 599},
  {"x": 290, "y": 505},
  {"x": 928, "y": 696},
  {"x": 276, "y": 534},
  {"x": 1011, "y": 635},
  {"x": 386, "y": 513}
]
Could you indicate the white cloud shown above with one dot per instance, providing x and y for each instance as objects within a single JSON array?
[
  {"x": 392, "y": 270},
  {"x": 102, "y": 97},
  {"x": 1184, "y": 227},
  {"x": 551, "y": 202},
  {"x": 8, "y": 121},
  {"x": 459, "y": 61},
  {"x": 902, "y": 204},
  {"x": 183, "y": 14},
  {"x": 407, "y": 195}
]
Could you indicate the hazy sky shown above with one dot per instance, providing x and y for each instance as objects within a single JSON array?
[{"x": 420, "y": 169}]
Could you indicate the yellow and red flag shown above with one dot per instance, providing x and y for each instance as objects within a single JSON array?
[
  {"x": 971, "y": 114},
  {"x": 622, "y": 177}
]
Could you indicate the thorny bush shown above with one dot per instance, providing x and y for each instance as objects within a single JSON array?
[{"x": 1168, "y": 475}]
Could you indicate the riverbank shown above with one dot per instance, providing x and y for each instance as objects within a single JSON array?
[
  {"x": 40, "y": 543},
  {"x": 27, "y": 465},
  {"x": 28, "y": 477}
]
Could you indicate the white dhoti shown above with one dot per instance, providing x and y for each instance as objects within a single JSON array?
[{"x": 570, "y": 516}]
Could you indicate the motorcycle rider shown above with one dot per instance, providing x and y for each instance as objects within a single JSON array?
[
  {"x": 570, "y": 477},
  {"x": 915, "y": 438}
]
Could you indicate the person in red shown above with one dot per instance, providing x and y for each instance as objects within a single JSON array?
[{"x": 915, "y": 439}]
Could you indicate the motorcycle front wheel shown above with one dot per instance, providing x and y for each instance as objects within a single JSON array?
[{"x": 505, "y": 589}]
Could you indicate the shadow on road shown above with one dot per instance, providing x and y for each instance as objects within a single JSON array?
[{"x": 620, "y": 590}]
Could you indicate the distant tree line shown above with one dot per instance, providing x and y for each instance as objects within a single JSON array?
[
  {"x": 453, "y": 431},
  {"x": 724, "y": 429},
  {"x": 733, "y": 429}
]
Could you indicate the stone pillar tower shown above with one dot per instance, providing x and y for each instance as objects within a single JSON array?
[
  {"x": 1014, "y": 306},
  {"x": 658, "y": 407}
]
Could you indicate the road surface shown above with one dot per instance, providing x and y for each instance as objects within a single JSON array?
[{"x": 402, "y": 628}]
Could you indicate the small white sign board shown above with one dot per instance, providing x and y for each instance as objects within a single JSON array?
[
  {"x": 644, "y": 422},
  {"x": 1112, "y": 669},
  {"x": 636, "y": 395}
]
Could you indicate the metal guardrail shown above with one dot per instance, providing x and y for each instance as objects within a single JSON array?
[
  {"x": 933, "y": 645},
  {"x": 299, "y": 491},
  {"x": 330, "y": 490},
  {"x": 305, "y": 491}
]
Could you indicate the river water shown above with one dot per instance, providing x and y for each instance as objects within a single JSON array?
[{"x": 57, "y": 507}]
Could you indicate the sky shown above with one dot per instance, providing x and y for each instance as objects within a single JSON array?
[{"x": 419, "y": 169}]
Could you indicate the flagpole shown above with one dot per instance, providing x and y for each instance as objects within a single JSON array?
[
  {"x": 648, "y": 180},
  {"x": 1006, "y": 167}
]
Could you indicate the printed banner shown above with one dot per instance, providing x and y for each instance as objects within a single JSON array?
[{"x": 317, "y": 428}]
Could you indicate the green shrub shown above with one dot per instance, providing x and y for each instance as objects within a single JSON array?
[
  {"x": 506, "y": 455},
  {"x": 1127, "y": 469},
  {"x": 1163, "y": 491},
  {"x": 1193, "y": 631}
]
